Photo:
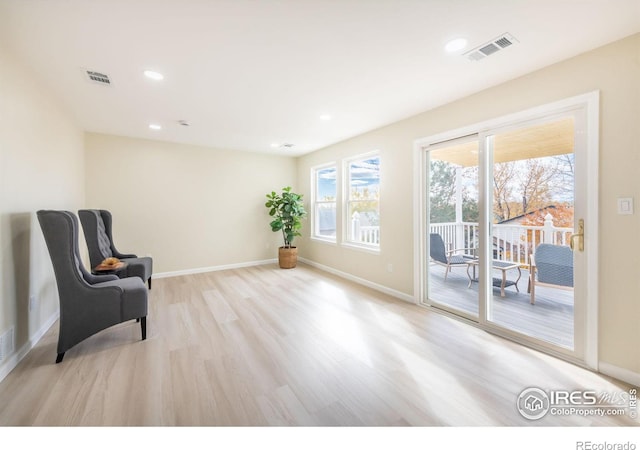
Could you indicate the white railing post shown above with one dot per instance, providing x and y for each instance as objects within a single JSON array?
[
  {"x": 355, "y": 226},
  {"x": 458, "y": 236},
  {"x": 548, "y": 229}
]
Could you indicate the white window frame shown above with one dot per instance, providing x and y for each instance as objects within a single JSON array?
[
  {"x": 315, "y": 202},
  {"x": 346, "y": 195}
]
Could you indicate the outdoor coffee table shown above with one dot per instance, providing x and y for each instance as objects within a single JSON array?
[{"x": 503, "y": 266}]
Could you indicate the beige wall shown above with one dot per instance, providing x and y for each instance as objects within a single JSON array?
[
  {"x": 41, "y": 167},
  {"x": 188, "y": 207},
  {"x": 615, "y": 71}
]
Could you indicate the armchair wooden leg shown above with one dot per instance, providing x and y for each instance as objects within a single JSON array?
[
  {"x": 143, "y": 326},
  {"x": 59, "y": 358},
  {"x": 533, "y": 293},
  {"x": 149, "y": 281}
]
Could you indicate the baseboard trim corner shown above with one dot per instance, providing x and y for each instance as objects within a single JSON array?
[
  {"x": 378, "y": 287},
  {"x": 196, "y": 270}
]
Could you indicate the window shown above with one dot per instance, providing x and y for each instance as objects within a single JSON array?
[
  {"x": 324, "y": 206},
  {"x": 363, "y": 201}
]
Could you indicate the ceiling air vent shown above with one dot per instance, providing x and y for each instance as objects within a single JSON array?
[
  {"x": 97, "y": 77},
  {"x": 491, "y": 47}
]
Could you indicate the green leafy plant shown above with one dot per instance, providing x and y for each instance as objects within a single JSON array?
[{"x": 288, "y": 211}]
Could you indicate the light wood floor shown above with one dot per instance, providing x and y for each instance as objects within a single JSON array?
[{"x": 264, "y": 346}]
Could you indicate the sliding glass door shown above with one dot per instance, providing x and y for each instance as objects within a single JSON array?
[
  {"x": 506, "y": 218},
  {"x": 533, "y": 217}
]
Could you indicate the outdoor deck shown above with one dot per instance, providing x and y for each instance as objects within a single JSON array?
[{"x": 550, "y": 319}]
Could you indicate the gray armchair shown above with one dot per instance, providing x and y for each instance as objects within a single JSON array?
[
  {"x": 552, "y": 266},
  {"x": 88, "y": 303},
  {"x": 96, "y": 225}
]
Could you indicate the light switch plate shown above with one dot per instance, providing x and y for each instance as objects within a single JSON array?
[{"x": 625, "y": 206}]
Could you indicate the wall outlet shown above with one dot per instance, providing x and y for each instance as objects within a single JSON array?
[
  {"x": 389, "y": 267},
  {"x": 33, "y": 302}
]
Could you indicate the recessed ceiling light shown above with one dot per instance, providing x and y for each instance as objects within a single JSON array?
[
  {"x": 153, "y": 75},
  {"x": 455, "y": 45},
  {"x": 325, "y": 117},
  {"x": 155, "y": 126}
]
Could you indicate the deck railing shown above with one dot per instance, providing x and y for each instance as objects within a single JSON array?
[
  {"x": 366, "y": 234},
  {"x": 513, "y": 243}
]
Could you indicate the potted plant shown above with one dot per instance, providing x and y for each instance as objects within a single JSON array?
[{"x": 288, "y": 211}]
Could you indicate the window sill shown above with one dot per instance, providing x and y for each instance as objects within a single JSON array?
[
  {"x": 362, "y": 247},
  {"x": 324, "y": 240}
]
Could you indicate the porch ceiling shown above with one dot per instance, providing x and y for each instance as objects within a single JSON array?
[{"x": 549, "y": 139}]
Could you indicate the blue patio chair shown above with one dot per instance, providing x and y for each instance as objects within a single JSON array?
[
  {"x": 551, "y": 266},
  {"x": 450, "y": 258}
]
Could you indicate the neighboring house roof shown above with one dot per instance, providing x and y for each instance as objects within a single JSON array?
[{"x": 519, "y": 218}]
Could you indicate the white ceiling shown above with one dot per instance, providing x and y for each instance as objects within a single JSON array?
[{"x": 249, "y": 73}]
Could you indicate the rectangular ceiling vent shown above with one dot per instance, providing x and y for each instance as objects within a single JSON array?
[
  {"x": 491, "y": 47},
  {"x": 97, "y": 77}
]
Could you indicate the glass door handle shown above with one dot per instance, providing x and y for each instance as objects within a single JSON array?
[{"x": 579, "y": 235}]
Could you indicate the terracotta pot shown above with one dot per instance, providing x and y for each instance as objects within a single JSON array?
[{"x": 287, "y": 257}]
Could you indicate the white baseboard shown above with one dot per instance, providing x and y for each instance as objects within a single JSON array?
[
  {"x": 177, "y": 273},
  {"x": 362, "y": 281},
  {"x": 626, "y": 375},
  {"x": 14, "y": 359}
]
